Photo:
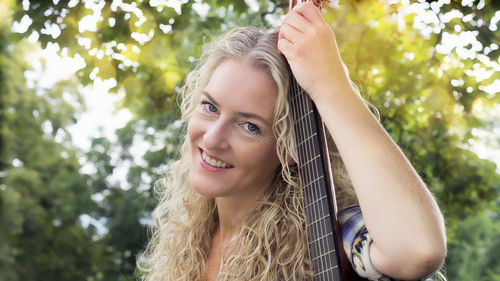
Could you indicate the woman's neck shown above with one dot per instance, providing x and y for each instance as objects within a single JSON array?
[{"x": 231, "y": 212}]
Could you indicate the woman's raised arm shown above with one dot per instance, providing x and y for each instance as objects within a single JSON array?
[{"x": 401, "y": 215}]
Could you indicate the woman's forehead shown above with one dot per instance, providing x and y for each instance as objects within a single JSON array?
[{"x": 239, "y": 84}]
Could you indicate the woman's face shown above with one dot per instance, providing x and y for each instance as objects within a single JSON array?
[{"x": 233, "y": 150}]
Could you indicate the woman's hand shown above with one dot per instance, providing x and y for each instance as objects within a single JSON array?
[{"x": 309, "y": 45}]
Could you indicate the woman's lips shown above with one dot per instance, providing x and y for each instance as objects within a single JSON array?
[{"x": 213, "y": 163}]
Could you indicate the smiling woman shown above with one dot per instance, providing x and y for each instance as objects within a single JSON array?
[
  {"x": 232, "y": 206},
  {"x": 230, "y": 189}
]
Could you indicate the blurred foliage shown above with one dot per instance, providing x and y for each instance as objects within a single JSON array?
[
  {"x": 430, "y": 100},
  {"x": 474, "y": 258},
  {"x": 42, "y": 193}
]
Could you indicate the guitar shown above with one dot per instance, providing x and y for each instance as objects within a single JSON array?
[{"x": 324, "y": 235}]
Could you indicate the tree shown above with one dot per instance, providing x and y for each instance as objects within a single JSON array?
[
  {"x": 477, "y": 237},
  {"x": 42, "y": 194}
]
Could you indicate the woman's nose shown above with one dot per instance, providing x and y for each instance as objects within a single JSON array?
[{"x": 216, "y": 136}]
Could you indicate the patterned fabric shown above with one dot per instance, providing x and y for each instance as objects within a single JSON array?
[{"x": 356, "y": 242}]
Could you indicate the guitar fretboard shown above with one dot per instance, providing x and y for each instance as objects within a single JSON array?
[{"x": 314, "y": 179}]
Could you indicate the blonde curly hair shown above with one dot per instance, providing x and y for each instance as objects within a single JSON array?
[{"x": 271, "y": 244}]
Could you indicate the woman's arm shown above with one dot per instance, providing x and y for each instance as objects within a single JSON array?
[{"x": 401, "y": 215}]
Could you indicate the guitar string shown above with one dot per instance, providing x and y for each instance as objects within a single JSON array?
[
  {"x": 300, "y": 135},
  {"x": 318, "y": 226},
  {"x": 309, "y": 193},
  {"x": 314, "y": 248},
  {"x": 321, "y": 224},
  {"x": 294, "y": 100},
  {"x": 306, "y": 151},
  {"x": 326, "y": 226},
  {"x": 313, "y": 228},
  {"x": 309, "y": 149},
  {"x": 322, "y": 261},
  {"x": 312, "y": 191},
  {"x": 320, "y": 212}
]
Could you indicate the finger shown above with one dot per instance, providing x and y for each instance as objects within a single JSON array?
[
  {"x": 285, "y": 46},
  {"x": 309, "y": 11},
  {"x": 290, "y": 33},
  {"x": 297, "y": 21}
]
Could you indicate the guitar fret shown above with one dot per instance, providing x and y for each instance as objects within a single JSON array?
[
  {"x": 314, "y": 181},
  {"x": 304, "y": 116},
  {"x": 310, "y": 160},
  {"x": 307, "y": 139},
  {"x": 323, "y": 255},
  {"x": 322, "y": 237},
  {"x": 326, "y": 270},
  {"x": 315, "y": 201},
  {"x": 318, "y": 220},
  {"x": 297, "y": 96}
]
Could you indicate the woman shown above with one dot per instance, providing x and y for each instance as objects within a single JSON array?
[{"x": 232, "y": 206}]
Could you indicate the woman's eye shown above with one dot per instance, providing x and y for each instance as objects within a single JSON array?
[
  {"x": 252, "y": 128},
  {"x": 211, "y": 107},
  {"x": 208, "y": 106}
]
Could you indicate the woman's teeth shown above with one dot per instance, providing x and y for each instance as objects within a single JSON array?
[{"x": 213, "y": 162}]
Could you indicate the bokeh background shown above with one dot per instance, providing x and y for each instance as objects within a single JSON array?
[{"x": 89, "y": 118}]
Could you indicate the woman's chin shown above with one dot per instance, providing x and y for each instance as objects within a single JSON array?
[
  {"x": 205, "y": 193},
  {"x": 204, "y": 190}
]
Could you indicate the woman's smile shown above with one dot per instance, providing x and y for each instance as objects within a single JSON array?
[{"x": 212, "y": 163}]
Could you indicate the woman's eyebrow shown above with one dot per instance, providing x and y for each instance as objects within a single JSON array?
[
  {"x": 242, "y": 114},
  {"x": 210, "y": 98},
  {"x": 253, "y": 116}
]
